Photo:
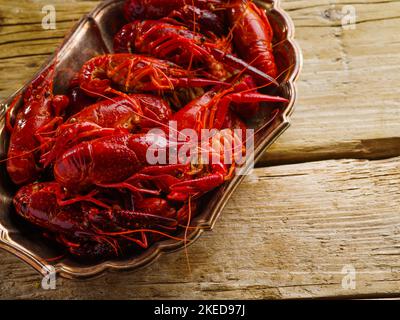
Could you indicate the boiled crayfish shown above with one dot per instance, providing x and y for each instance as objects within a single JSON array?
[{"x": 82, "y": 160}]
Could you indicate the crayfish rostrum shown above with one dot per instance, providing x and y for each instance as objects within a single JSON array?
[{"x": 84, "y": 160}]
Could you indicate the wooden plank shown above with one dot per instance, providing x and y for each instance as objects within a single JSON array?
[
  {"x": 348, "y": 91},
  {"x": 348, "y": 105},
  {"x": 288, "y": 232},
  {"x": 24, "y": 44}
]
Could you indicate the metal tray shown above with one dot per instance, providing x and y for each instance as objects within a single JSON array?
[{"x": 93, "y": 36}]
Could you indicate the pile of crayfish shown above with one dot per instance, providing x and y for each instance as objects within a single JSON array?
[{"x": 80, "y": 159}]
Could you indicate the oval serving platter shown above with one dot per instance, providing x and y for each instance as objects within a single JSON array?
[{"x": 93, "y": 36}]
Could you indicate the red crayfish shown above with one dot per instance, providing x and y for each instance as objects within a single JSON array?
[
  {"x": 174, "y": 43},
  {"x": 89, "y": 231},
  {"x": 156, "y": 9},
  {"x": 180, "y": 45},
  {"x": 41, "y": 110},
  {"x": 113, "y": 73},
  {"x": 252, "y": 35},
  {"x": 134, "y": 113},
  {"x": 114, "y": 165}
]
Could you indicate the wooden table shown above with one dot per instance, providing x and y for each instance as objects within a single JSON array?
[{"x": 324, "y": 200}]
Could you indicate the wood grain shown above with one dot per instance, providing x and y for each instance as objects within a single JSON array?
[
  {"x": 289, "y": 229},
  {"x": 348, "y": 91},
  {"x": 288, "y": 232},
  {"x": 348, "y": 103}
]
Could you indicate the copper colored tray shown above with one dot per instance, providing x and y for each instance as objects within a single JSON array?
[{"x": 93, "y": 36}]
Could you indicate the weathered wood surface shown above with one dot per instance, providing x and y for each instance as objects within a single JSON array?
[
  {"x": 347, "y": 107},
  {"x": 289, "y": 230}
]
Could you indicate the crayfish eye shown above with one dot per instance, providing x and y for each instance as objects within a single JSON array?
[
  {"x": 73, "y": 120},
  {"x": 135, "y": 120}
]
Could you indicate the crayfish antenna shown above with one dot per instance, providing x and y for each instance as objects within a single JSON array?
[
  {"x": 194, "y": 31},
  {"x": 238, "y": 63},
  {"x": 199, "y": 82},
  {"x": 143, "y": 243},
  {"x": 127, "y": 232},
  {"x": 275, "y": 113},
  {"x": 186, "y": 236},
  {"x": 25, "y": 153},
  {"x": 55, "y": 259},
  {"x": 267, "y": 84}
]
